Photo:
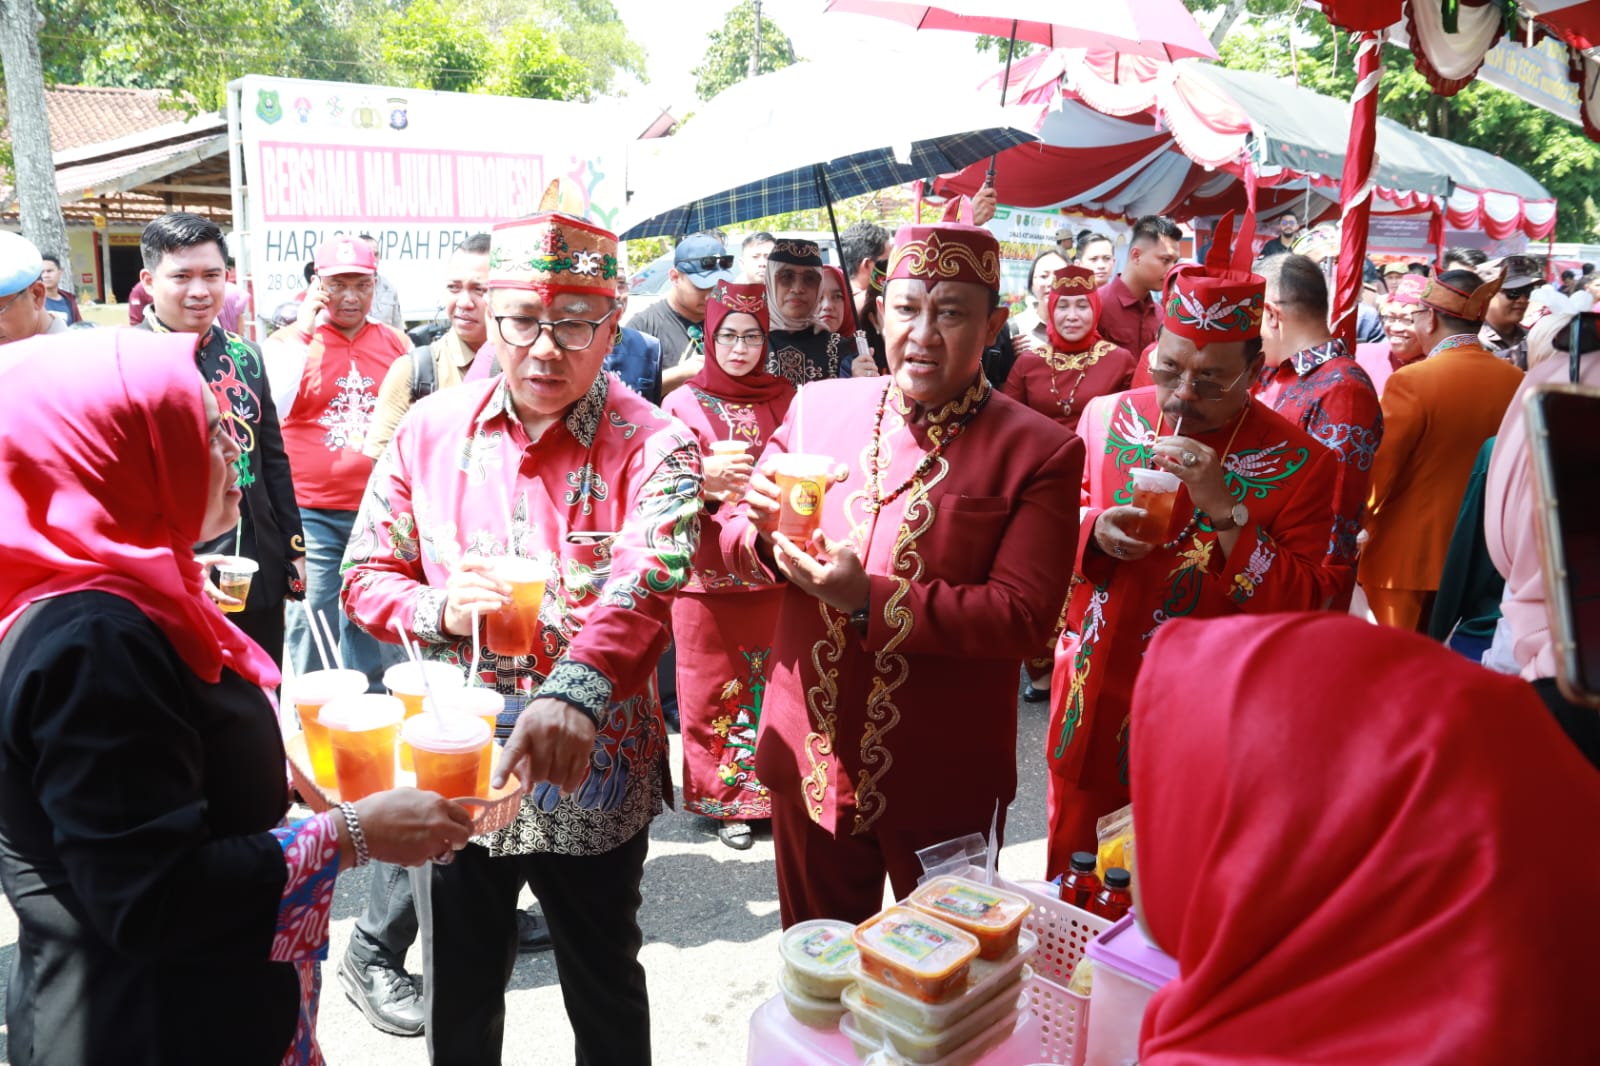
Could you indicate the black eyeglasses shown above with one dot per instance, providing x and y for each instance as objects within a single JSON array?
[
  {"x": 1522, "y": 292},
  {"x": 1205, "y": 388},
  {"x": 706, "y": 263},
  {"x": 729, "y": 339},
  {"x": 569, "y": 334}
]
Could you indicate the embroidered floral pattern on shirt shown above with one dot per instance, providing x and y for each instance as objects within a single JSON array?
[
  {"x": 587, "y": 487},
  {"x": 349, "y": 412},
  {"x": 734, "y": 744},
  {"x": 1255, "y": 571}
]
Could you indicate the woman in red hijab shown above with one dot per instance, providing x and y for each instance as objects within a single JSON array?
[
  {"x": 1376, "y": 852},
  {"x": 167, "y": 915},
  {"x": 1059, "y": 381},
  {"x": 836, "y": 313},
  {"x": 723, "y": 629}
]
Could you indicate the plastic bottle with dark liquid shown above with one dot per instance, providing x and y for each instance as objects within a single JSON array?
[
  {"x": 1116, "y": 897},
  {"x": 1080, "y": 886}
]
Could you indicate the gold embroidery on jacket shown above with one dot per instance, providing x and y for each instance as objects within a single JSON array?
[
  {"x": 891, "y": 671},
  {"x": 822, "y": 702}
]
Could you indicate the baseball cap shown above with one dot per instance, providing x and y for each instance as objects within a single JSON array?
[
  {"x": 20, "y": 263},
  {"x": 1396, "y": 267},
  {"x": 1521, "y": 271},
  {"x": 345, "y": 255},
  {"x": 703, "y": 260}
]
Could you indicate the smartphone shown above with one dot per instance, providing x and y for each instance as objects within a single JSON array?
[{"x": 1566, "y": 474}]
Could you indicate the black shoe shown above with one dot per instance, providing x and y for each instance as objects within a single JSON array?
[
  {"x": 386, "y": 996},
  {"x": 533, "y": 932},
  {"x": 1034, "y": 695}
]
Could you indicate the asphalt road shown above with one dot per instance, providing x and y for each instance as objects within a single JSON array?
[{"x": 710, "y": 921}]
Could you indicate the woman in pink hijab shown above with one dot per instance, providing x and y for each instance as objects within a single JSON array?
[{"x": 167, "y": 914}]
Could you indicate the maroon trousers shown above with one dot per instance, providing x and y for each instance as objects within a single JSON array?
[{"x": 825, "y": 876}]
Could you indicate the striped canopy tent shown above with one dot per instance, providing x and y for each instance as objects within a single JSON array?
[
  {"x": 1187, "y": 135},
  {"x": 1451, "y": 37}
]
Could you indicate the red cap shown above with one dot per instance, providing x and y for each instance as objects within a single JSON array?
[
  {"x": 1221, "y": 301},
  {"x": 345, "y": 255},
  {"x": 946, "y": 252}
]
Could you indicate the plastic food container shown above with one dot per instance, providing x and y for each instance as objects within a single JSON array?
[
  {"x": 927, "y": 1045},
  {"x": 818, "y": 955},
  {"x": 1127, "y": 971},
  {"x": 915, "y": 953},
  {"x": 808, "y": 1010},
  {"x": 1014, "y": 1038},
  {"x": 991, "y": 914},
  {"x": 986, "y": 981}
]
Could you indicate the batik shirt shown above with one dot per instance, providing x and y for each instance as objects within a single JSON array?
[
  {"x": 1324, "y": 391},
  {"x": 805, "y": 355},
  {"x": 610, "y": 496},
  {"x": 1280, "y": 562},
  {"x": 269, "y": 529}
]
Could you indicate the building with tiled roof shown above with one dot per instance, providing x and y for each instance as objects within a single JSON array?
[{"x": 84, "y": 114}]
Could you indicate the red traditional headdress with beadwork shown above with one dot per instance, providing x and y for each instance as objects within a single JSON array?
[
  {"x": 553, "y": 251},
  {"x": 1073, "y": 281},
  {"x": 946, "y": 252},
  {"x": 1222, "y": 300}
]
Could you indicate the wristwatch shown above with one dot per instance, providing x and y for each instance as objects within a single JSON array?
[
  {"x": 1237, "y": 516},
  {"x": 861, "y": 619}
]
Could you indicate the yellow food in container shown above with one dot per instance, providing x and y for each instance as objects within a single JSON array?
[
  {"x": 991, "y": 914},
  {"x": 915, "y": 953}
]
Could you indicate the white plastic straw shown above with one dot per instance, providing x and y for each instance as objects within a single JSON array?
[
  {"x": 338, "y": 654},
  {"x": 994, "y": 845},
  {"x": 414, "y": 653},
  {"x": 1177, "y": 430},
  {"x": 799, "y": 423},
  {"x": 472, "y": 677},
  {"x": 316, "y": 638}
]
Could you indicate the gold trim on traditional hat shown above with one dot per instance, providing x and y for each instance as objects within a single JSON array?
[{"x": 937, "y": 259}]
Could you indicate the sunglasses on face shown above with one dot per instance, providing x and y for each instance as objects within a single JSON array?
[
  {"x": 1520, "y": 293},
  {"x": 706, "y": 263}
]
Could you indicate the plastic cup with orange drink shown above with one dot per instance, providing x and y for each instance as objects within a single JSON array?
[
  {"x": 364, "y": 732},
  {"x": 310, "y": 692},
  {"x": 234, "y": 574},
  {"x": 450, "y": 753},
  {"x": 1154, "y": 491},
  {"x": 802, "y": 482},
  {"x": 410, "y": 681},
  {"x": 484, "y": 704},
  {"x": 514, "y": 629}
]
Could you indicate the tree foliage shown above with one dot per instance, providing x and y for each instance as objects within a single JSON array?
[
  {"x": 1554, "y": 152},
  {"x": 550, "y": 49},
  {"x": 727, "y": 58}
]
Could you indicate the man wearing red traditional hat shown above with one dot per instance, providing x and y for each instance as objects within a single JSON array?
[
  {"x": 1311, "y": 379},
  {"x": 890, "y": 716},
  {"x": 545, "y": 468},
  {"x": 1248, "y": 530},
  {"x": 1401, "y": 346},
  {"x": 1437, "y": 413}
]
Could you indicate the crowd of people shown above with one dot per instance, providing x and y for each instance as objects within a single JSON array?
[{"x": 993, "y": 525}]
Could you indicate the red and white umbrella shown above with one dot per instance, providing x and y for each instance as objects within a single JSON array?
[{"x": 1158, "y": 29}]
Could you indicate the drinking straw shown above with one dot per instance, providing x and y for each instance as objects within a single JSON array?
[
  {"x": 338, "y": 653},
  {"x": 414, "y": 653},
  {"x": 994, "y": 846},
  {"x": 316, "y": 638},
  {"x": 473, "y": 676},
  {"x": 1177, "y": 430},
  {"x": 799, "y": 423},
  {"x": 238, "y": 535}
]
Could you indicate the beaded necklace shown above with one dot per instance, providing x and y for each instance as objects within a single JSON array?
[
  {"x": 1194, "y": 519},
  {"x": 876, "y": 501},
  {"x": 1081, "y": 363}
]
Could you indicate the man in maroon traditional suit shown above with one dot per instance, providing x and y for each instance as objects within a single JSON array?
[
  {"x": 942, "y": 561},
  {"x": 1249, "y": 531}
]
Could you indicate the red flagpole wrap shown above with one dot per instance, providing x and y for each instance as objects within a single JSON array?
[{"x": 1355, "y": 188}]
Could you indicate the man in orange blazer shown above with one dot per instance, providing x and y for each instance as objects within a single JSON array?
[{"x": 1436, "y": 414}]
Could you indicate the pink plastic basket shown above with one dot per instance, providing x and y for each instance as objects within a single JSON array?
[
  {"x": 1064, "y": 931},
  {"x": 1063, "y": 1018}
]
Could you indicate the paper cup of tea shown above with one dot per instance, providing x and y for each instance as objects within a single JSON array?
[
  {"x": 802, "y": 483},
  {"x": 1154, "y": 492},
  {"x": 234, "y": 574}
]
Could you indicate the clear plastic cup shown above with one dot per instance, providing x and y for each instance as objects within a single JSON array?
[
  {"x": 1155, "y": 491},
  {"x": 802, "y": 483},
  {"x": 310, "y": 692},
  {"x": 405, "y": 680},
  {"x": 514, "y": 630},
  {"x": 363, "y": 731},
  {"x": 234, "y": 574},
  {"x": 730, "y": 447},
  {"x": 481, "y": 703},
  {"x": 449, "y": 752}
]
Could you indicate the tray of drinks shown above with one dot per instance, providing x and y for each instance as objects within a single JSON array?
[{"x": 493, "y": 809}]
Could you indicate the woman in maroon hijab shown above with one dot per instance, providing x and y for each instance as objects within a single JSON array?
[
  {"x": 1361, "y": 848},
  {"x": 723, "y": 628},
  {"x": 1060, "y": 380}
]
